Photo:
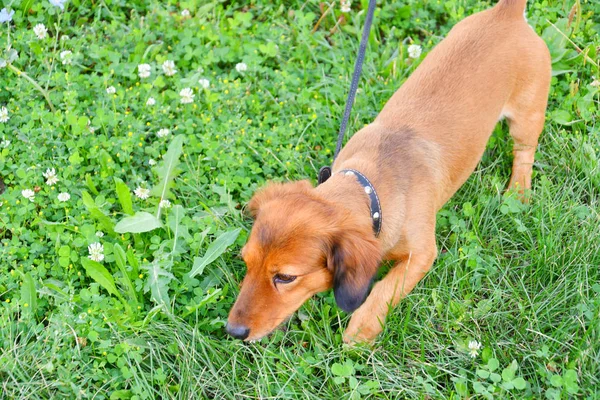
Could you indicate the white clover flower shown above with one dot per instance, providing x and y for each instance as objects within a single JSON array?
[
  {"x": 150, "y": 101},
  {"x": 4, "y": 114},
  {"x": 111, "y": 90},
  {"x": 58, "y": 3},
  {"x": 169, "y": 68},
  {"x": 50, "y": 176},
  {"x": 6, "y": 15},
  {"x": 99, "y": 234},
  {"x": 164, "y": 204},
  {"x": 28, "y": 194},
  {"x": 142, "y": 193},
  {"x": 474, "y": 347},
  {"x": 96, "y": 251},
  {"x": 90, "y": 127},
  {"x": 66, "y": 57},
  {"x": 163, "y": 132},
  {"x": 414, "y": 51},
  {"x": 185, "y": 13},
  {"x": 595, "y": 83},
  {"x": 241, "y": 67},
  {"x": 144, "y": 70},
  {"x": 64, "y": 196},
  {"x": 151, "y": 162},
  {"x": 40, "y": 31},
  {"x": 187, "y": 95},
  {"x": 65, "y": 37},
  {"x": 345, "y": 6},
  {"x": 5, "y": 143},
  {"x": 204, "y": 83}
]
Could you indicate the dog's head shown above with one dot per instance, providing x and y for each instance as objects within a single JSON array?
[{"x": 300, "y": 245}]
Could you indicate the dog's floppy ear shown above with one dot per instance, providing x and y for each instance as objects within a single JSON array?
[
  {"x": 274, "y": 190},
  {"x": 354, "y": 260}
]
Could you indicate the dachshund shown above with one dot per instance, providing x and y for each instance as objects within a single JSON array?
[{"x": 392, "y": 177}]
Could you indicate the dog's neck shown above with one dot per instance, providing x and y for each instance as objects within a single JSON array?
[{"x": 346, "y": 193}]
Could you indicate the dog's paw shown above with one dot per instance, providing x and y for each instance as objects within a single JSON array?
[
  {"x": 362, "y": 330},
  {"x": 522, "y": 192}
]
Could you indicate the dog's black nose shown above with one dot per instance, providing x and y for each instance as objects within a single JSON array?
[{"x": 237, "y": 331}]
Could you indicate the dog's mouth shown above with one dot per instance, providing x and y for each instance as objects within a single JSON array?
[
  {"x": 281, "y": 327},
  {"x": 258, "y": 338}
]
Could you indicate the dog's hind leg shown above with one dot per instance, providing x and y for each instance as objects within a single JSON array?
[
  {"x": 525, "y": 113},
  {"x": 525, "y": 130}
]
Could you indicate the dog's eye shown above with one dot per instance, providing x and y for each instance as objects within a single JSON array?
[{"x": 283, "y": 278}]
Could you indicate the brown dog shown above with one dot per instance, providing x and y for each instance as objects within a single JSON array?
[{"x": 421, "y": 148}]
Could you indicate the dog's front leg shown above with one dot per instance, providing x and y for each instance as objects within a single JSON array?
[{"x": 367, "y": 321}]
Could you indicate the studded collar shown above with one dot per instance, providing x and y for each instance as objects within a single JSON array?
[{"x": 374, "y": 204}]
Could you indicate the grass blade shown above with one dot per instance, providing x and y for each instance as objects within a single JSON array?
[
  {"x": 168, "y": 170},
  {"x": 124, "y": 196},
  {"x": 140, "y": 222},
  {"x": 134, "y": 263},
  {"x": 120, "y": 258},
  {"x": 216, "y": 248},
  {"x": 100, "y": 275},
  {"x": 98, "y": 214},
  {"x": 28, "y": 294}
]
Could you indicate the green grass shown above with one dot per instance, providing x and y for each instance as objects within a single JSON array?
[{"x": 522, "y": 280}]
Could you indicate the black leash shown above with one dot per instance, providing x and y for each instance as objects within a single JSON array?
[{"x": 325, "y": 172}]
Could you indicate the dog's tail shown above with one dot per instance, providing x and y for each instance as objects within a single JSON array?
[{"x": 512, "y": 7}]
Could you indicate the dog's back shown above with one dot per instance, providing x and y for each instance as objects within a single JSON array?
[{"x": 492, "y": 65}]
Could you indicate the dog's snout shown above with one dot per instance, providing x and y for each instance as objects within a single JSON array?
[{"x": 237, "y": 331}]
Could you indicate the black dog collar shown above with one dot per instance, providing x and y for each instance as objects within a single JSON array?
[{"x": 375, "y": 205}]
